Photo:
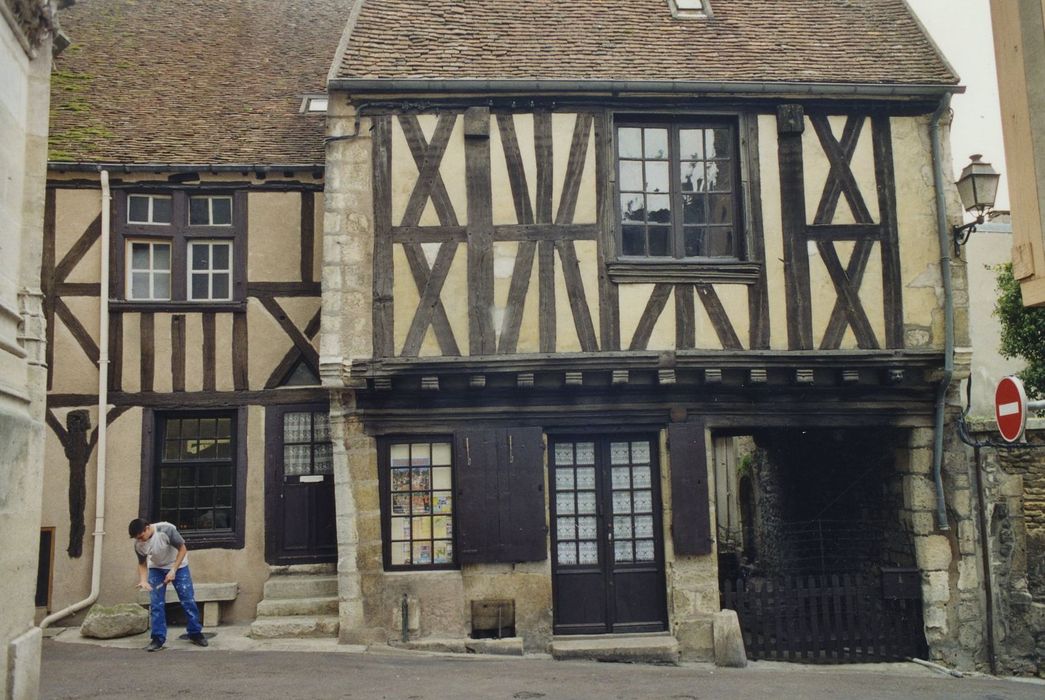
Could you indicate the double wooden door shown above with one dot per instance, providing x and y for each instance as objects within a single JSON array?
[
  {"x": 607, "y": 537},
  {"x": 300, "y": 512}
]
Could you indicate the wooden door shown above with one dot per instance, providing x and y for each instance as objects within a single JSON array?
[
  {"x": 300, "y": 513},
  {"x": 607, "y": 543}
]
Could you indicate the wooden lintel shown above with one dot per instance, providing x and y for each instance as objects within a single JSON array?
[
  {"x": 383, "y": 383},
  {"x": 477, "y": 381},
  {"x": 524, "y": 379},
  {"x": 574, "y": 378},
  {"x": 850, "y": 376},
  {"x": 713, "y": 376},
  {"x": 430, "y": 383},
  {"x": 803, "y": 376},
  {"x": 758, "y": 375},
  {"x": 620, "y": 376}
]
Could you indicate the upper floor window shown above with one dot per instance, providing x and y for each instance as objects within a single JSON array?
[
  {"x": 148, "y": 209},
  {"x": 181, "y": 247},
  {"x": 210, "y": 270},
  {"x": 149, "y": 270},
  {"x": 210, "y": 211},
  {"x": 679, "y": 191}
]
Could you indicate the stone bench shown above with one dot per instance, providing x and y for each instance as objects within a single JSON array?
[{"x": 209, "y": 596}]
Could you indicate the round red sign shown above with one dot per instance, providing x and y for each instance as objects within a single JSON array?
[{"x": 1010, "y": 408}]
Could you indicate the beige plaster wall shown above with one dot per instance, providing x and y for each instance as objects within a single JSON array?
[
  {"x": 273, "y": 249},
  {"x": 915, "y": 211},
  {"x": 72, "y": 577}
]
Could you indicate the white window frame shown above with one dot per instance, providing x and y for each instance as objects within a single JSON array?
[
  {"x": 151, "y": 270},
  {"x": 152, "y": 199},
  {"x": 690, "y": 9},
  {"x": 210, "y": 271},
  {"x": 210, "y": 209}
]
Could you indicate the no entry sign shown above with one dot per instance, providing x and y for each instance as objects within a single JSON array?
[{"x": 1010, "y": 408}]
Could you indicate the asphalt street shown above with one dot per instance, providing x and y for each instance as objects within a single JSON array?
[{"x": 89, "y": 671}]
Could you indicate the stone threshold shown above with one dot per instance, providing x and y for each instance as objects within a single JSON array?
[{"x": 649, "y": 648}]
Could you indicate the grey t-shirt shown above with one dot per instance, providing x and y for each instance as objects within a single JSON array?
[{"x": 161, "y": 549}]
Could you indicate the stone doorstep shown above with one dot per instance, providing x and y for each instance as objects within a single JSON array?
[
  {"x": 295, "y": 626},
  {"x": 658, "y": 648}
]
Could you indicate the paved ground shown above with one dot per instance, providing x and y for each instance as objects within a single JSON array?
[{"x": 233, "y": 668}]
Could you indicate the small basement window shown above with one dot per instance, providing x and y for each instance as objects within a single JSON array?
[{"x": 690, "y": 9}]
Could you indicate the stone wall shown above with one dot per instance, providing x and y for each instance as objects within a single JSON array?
[
  {"x": 1014, "y": 495},
  {"x": 25, "y": 64}
]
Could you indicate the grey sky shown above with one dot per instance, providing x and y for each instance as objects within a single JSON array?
[{"x": 962, "y": 30}]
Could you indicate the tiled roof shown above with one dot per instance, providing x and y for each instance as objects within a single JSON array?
[
  {"x": 193, "y": 81},
  {"x": 843, "y": 41}
]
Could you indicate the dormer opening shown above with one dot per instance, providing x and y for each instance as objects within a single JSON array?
[{"x": 690, "y": 9}]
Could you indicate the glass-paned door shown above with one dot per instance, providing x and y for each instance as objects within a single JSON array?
[
  {"x": 607, "y": 537},
  {"x": 300, "y": 506}
]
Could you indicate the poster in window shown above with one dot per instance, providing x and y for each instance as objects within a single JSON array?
[
  {"x": 400, "y": 528},
  {"x": 400, "y": 479},
  {"x": 444, "y": 553},
  {"x": 422, "y": 504},
  {"x": 400, "y": 553},
  {"x": 422, "y": 553},
  {"x": 442, "y": 502},
  {"x": 442, "y": 527},
  {"x": 422, "y": 480},
  {"x": 401, "y": 503},
  {"x": 422, "y": 528}
]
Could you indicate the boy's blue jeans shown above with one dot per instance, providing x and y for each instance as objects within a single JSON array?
[{"x": 157, "y": 599}]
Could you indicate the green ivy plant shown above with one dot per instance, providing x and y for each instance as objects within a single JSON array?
[{"x": 1022, "y": 331}]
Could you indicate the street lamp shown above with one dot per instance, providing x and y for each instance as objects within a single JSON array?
[{"x": 977, "y": 187}]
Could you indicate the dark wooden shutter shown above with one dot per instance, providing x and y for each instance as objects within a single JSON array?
[
  {"x": 475, "y": 462},
  {"x": 690, "y": 511},
  {"x": 523, "y": 531},
  {"x": 500, "y": 495}
]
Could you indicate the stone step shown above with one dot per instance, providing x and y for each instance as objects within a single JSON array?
[
  {"x": 297, "y": 626},
  {"x": 292, "y": 569},
  {"x": 623, "y": 648},
  {"x": 299, "y": 586},
  {"x": 282, "y": 607}
]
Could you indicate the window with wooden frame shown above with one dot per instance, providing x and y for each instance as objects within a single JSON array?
[
  {"x": 194, "y": 474},
  {"x": 418, "y": 504},
  {"x": 148, "y": 270},
  {"x": 679, "y": 190},
  {"x": 181, "y": 248}
]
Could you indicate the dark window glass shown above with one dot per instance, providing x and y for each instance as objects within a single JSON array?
[
  {"x": 678, "y": 191},
  {"x": 198, "y": 211},
  {"x": 196, "y": 469},
  {"x": 221, "y": 211},
  {"x": 161, "y": 210},
  {"x": 138, "y": 208}
]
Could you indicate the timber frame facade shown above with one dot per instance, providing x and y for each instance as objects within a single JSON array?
[
  {"x": 503, "y": 307},
  {"x": 476, "y": 341}
]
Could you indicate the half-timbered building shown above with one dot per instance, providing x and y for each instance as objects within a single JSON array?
[
  {"x": 192, "y": 277},
  {"x": 564, "y": 318},
  {"x": 573, "y": 251}
]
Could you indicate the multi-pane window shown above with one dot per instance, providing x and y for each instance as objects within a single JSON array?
[
  {"x": 632, "y": 505},
  {"x": 306, "y": 443},
  {"x": 419, "y": 499},
  {"x": 210, "y": 211},
  {"x": 678, "y": 190},
  {"x": 576, "y": 522},
  {"x": 210, "y": 270},
  {"x": 197, "y": 471},
  {"x": 181, "y": 246},
  {"x": 149, "y": 270},
  {"x": 149, "y": 209}
]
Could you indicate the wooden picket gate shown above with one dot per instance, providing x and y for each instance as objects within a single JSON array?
[{"x": 834, "y": 619}]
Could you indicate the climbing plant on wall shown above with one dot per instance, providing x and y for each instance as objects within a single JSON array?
[{"x": 1022, "y": 331}]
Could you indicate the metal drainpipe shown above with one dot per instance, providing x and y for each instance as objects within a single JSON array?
[
  {"x": 944, "y": 231},
  {"x": 103, "y": 401}
]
